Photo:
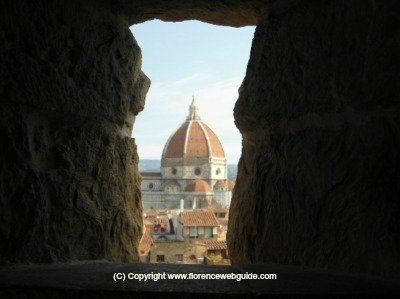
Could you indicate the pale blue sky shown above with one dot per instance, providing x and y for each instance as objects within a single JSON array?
[{"x": 188, "y": 58}]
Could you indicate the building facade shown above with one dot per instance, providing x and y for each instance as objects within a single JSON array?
[
  {"x": 175, "y": 235},
  {"x": 194, "y": 170}
]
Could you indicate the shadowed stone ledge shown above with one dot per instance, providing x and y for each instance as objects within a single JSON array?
[{"x": 96, "y": 278}]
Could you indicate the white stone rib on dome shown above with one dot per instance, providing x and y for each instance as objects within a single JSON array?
[{"x": 187, "y": 137}]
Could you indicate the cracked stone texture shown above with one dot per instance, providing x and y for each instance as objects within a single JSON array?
[
  {"x": 318, "y": 180},
  {"x": 70, "y": 81},
  {"x": 60, "y": 202}
]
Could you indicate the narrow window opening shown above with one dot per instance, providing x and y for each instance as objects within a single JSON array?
[
  {"x": 197, "y": 171},
  {"x": 160, "y": 258},
  {"x": 194, "y": 232},
  {"x": 186, "y": 137}
]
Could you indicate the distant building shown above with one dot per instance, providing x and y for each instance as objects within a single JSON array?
[
  {"x": 199, "y": 224},
  {"x": 222, "y": 216},
  {"x": 213, "y": 252},
  {"x": 171, "y": 236},
  {"x": 193, "y": 170}
]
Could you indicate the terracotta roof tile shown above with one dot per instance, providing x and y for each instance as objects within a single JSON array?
[
  {"x": 199, "y": 218},
  {"x": 223, "y": 221},
  {"x": 212, "y": 244}
]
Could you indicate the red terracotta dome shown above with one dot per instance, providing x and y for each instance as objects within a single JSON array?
[
  {"x": 220, "y": 184},
  {"x": 199, "y": 186},
  {"x": 224, "y": 184},
  {"x": 193, "y": 139}
]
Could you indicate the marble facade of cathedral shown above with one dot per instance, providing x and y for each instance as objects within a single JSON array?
[{"x": 193, "y": 170}]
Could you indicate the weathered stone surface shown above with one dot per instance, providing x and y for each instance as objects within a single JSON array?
[
  {"x": 235, "y": 13},
  {"x": 318, "y": 110},
  {"x": 69, "y": 189},
  {"x": 67, "y": 58},
  {"x": 70, "y": 86},
  {"x": 318, "y": 180}
]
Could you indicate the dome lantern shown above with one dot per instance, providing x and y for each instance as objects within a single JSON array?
[{"x": 193, "y": 111}]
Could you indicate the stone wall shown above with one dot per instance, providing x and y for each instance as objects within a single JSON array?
[
  {"x": 186, "y": 248},
  {"x": 70, "y": 85},
  {"x": 318, "y": 110},
  {"x": 319, "y": 175}
]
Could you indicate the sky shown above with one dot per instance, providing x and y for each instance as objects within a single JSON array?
[{"x": 189, "y": 58}]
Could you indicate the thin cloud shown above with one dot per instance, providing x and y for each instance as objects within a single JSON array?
[
  {"x": 216, "y": 103},
  {"x": 198, "y": 65}
]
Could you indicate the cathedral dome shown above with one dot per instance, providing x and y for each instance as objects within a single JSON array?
[
  {"x": 193, "y": 139},
  {"x": 199, "y": 186}
]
